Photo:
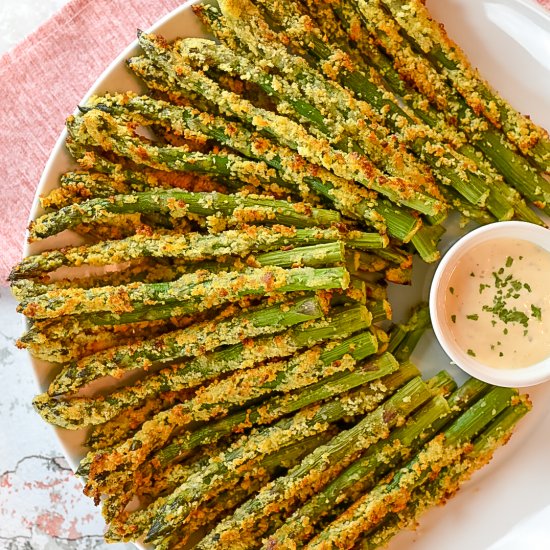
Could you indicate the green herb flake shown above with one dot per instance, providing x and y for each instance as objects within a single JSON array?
[
  {"x": 451, "y": 290},
  {"x": 473, "y": 317},
  {"x": 453, "y": 318},
  {"x": 505, "y": 331},
  {"x": 471, "y": 352},
  {"x": 527, "y": 287},
  {"x": 509, "y": 261},
  {"x": 501, "y": 354},
  {"x": 536, "y": 312},
  {"x": 472, "y": 274},
  {"x": 482, "y": 287}
]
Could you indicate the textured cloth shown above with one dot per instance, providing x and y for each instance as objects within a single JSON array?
[{"x": 41, "y": 81}]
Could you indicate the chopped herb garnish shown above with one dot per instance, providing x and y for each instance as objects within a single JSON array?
[
  {"x": 527, "y": 287},
  {"x": 451, "y": 290},
  {"x": 501, "y": 354},
  {"x": 453, "y": 318},
  {"x": 473, "y": 317},
  {"x": 472, "y": 274},
  {"x": 509, "y": 261},
  {"x": 501, "y": 271},
  {"x": 536, "y": 312},
  {"x": 471, "y": 352},
  {"x": 521, "y": 257},
  {"x": 525, "y": 332},
  {"x": 505, "y": 331},
  {"x": 482, "y": 287}
]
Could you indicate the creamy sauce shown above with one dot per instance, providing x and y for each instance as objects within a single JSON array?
[{"x": 497, "y": 304}]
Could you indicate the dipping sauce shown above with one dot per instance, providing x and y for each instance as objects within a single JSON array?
[{"x": 497, "y": 304}]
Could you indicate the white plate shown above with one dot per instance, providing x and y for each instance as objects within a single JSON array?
[{"x": 510, "y": 43}]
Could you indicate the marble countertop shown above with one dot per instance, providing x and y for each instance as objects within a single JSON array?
[{"x": 41, "y": 502}]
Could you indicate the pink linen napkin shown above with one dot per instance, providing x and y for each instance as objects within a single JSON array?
[{"x": 41, "y": 81}]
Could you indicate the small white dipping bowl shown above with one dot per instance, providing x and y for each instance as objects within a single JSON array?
[{"x": 525, "y": 376}]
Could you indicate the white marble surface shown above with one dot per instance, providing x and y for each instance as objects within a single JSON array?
[{"x": 41, "y": 502}]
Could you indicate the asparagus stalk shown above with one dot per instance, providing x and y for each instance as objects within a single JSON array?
[
  {"x": 350, "y": 199},
  {"x": 335, "y": 123},
  {"x": 192, "y": 292},
  {"x": 515, "y": 169},
  {"x": 192, "y": 247},
  {"x": 99, "y": 129},
  {"x": 139, "y": 522},
  {"x": 447, "y": 165},
  {"x": 364, "y": 472},
  {"x": 380, "y": 459},
  {"x": 436, "y": 45},
  {"x": 420, "y": 107},
  {"x": 373, "y": 427},
  {"x": 349, "y": 166},
  {"x": 123, "y": 173},
  {"x": 234, "y": 209},
  {"x": 279, "y": 406},
  {"x": 400, "y": 223},
  {"x": 439, "y": 453},
  {"x": 99, "y": 409},
  {"x": 217, "y": 399},
  {"x": 356, "y": 402},
  {"x": 439, "y": 490},
  {"x": 187, "y": 342},
  {"x": 312, "y": 474},
  {"x": 127, "y": 423}
]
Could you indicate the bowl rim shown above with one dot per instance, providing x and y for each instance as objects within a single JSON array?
[{"x": 519, "y": 377}]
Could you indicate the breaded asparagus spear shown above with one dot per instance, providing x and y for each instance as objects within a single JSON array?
[
  {"x": 187, "y": 342},
  {"x": 99, "y": 409}
]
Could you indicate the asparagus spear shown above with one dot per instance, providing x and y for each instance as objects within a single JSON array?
[
  {"x": 123, "y": 173},
  {"x": 96, "y": 410},
  {"x": 279, "y": 406},
  {"x": 192, "y": 292},
  {"x": 138, "y": 523},
  {"x": 218, "y": 398},
  {"x": 192, "y": 247},
  {"x": 188, "y": 342},
  {"x": 515, "y": 169},
  {"x": 442, "y": 451},
  {"x": 234, "y": 209},
  {"x": 350, "y": 199},
  {"x": 363, "y": 474},
  {"x": 400, "y": 223},
  {"x": 335, "y": 123},
  {"x": 439, "y": 490},
  {"x": 425, "y": 112},
  {"x": 313, "y": 472},
  {"x": 349, "y": 166},
  {"x": 374, "y": 426},
  {"x": 448, "y": 165},
  {"x": 453, "y": 63},
  {"x": 98, "y": 129}
]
